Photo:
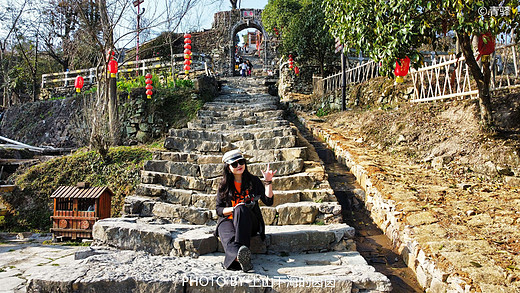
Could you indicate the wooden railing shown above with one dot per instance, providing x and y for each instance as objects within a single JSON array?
[
  {"x": 66, "y": 79},
  {"x": 450, "y": 77},
  {"x": 361, "y": 73}
]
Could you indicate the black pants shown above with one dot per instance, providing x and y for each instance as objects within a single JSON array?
[{"x": 237, "y": 232}]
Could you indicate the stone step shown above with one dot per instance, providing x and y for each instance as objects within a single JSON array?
[
  {"x": 205, "y": 198},
  {"x": 177, "y": 168},
  {"x": 237, "y": 121},
  {"x": 275, "y": 155},
  {"x": 94, "y": 269},
  {"x": 196, "y": 134},
  {"x": 197, "y": 208},
  {"x": 158, "y": 172},
  {"x": 194, "y": 240},
  {"x": 240, "y": 107},
  {"x": 226, "y": 126},
  {"x": 288, "y": 141},
  {"x": 261, "y": 133},
  {"x": 189, "y": 145},
  {"x": 289, "y": 176},
  {"x": 181, "y": 182},
  {"x": 238, "y": 114}
]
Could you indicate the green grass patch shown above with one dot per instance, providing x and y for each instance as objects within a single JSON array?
[{"x": 120, "y": 171}]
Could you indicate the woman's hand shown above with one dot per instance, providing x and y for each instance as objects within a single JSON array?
[{"x": 268, "y": 174}]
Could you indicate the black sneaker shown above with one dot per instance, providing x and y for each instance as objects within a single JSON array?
[{"x": 244, "y": 258}]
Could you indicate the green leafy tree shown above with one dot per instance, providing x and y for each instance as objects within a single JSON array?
[
  {"x": 302, "y": 30},
  {"x": 390, "y": 30}
]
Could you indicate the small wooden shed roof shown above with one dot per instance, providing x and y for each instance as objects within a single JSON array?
[{"x": 75, "y": 192}]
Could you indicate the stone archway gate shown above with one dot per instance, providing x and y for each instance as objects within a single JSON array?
[{"x": 219, "y": 42}]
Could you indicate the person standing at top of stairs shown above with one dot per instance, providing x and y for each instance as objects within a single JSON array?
[{"x": 237, "y": 207}]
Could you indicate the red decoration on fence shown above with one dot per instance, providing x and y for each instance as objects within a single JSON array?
[
  {"x": 187, "y": 53},
  {"x": 401, "y": 70},
  {"x": 149, "y": 86},
  {"x": 78, "y": 84},
  {"x": 112, "y": 67}
]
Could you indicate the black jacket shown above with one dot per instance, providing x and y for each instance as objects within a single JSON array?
[{"x": 258, "y": 191}]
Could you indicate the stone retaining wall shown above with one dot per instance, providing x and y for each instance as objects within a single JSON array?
[{"x": 384, "y": 213}]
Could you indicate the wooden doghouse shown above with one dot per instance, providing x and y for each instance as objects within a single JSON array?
[{"x": 76, "y": 209}]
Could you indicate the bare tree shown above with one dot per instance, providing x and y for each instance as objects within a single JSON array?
[{"x": 10, "y": 18}]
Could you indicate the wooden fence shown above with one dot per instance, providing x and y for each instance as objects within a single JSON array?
[
  {"x": 451, "y": 77},
  {"x": 361, "y": 73},
  {"x": 66, "y": 79}
]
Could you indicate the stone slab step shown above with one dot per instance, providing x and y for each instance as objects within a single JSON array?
[
  {"x": 226, "y": 126},
  {"x": 178, "y": 168},
  {"x": 189, "y": 145},
  {"x": 96, "y": 269},
  {"x": 238, "y": 121},
  {"x": 183, "y": 206},
  {"x": 274, "y": 155},
  {"x": 267, "y": 143},
  {"x": 230, "y": 107},
  {"x": 196, "y": 134},
  {"x": 195, "y": 240},
  {"x": 239, "y": 114},
  {"x": 180, "y": 182},
  {"x": 173, "y": 171},
  {"x": 260, "y": 133},
  {"x": 206, "y": 199}
]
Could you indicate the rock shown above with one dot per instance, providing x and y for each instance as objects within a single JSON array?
[
  {"x": 512, "y": 181},
  {"x": 297, "y": 213},
  {"x": 505, "y": 170},
  {"x": 142, "y": 136}
]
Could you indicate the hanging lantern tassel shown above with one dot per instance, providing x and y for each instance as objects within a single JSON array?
[
  {"x": 78, "y": 84},
  {"x": 149, "y": 86}
]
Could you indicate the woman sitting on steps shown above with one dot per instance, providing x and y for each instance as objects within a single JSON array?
[{"x": 238, "y": 210}]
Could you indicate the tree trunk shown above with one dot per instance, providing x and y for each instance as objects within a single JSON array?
[
  {"x": 108, "y": 38},
  {"x": 482, "y": 79}
]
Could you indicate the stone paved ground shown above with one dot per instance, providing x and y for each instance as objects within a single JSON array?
[{"x": 458, "y": 234}]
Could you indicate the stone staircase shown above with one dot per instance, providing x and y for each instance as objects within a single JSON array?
[{"x": 173, "y": 210}]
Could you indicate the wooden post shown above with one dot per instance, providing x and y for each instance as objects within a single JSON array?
[
  {"x": 343, "y": 83},
  {"x": 112, "y": 111}
]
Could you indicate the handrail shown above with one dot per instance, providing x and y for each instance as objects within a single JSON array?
[{"x": 90, "y": 73}]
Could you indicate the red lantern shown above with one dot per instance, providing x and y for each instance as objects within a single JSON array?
[
  {"x": 78, "y": 84},
  {"x": 291, "y": 62},
  {"x": 296, "y": 70},
  {"x": 401, "y": 70},
  {"x": 149, "y": 86},
  {"x": 486, "y": 45},
  {"x": 187, "y": 53},
  {"x": 112, "y": 67}
]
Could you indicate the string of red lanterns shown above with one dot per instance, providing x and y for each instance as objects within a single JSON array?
[
  {"x": 291, "y": 62},
  {"x": 149, "y": 86},
  {"x": 187, "y": 53}
]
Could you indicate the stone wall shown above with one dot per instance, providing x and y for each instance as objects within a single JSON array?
[
  {"x": 64, "y": 123},
  {"x": 291, "y": 82}
]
